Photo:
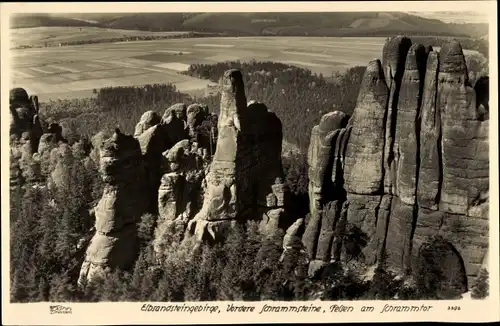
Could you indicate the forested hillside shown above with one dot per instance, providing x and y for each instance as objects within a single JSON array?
[
  {"x": 297, "y": 96},
  {"x": 39, "y": 20},
  {"x": 252, "y": 24}
]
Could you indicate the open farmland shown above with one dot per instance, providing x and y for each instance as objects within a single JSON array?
[
  {"x": 40, "y": 36},
  {"x": 74, "y": 71}
]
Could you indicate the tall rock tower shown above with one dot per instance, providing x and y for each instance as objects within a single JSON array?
[
  {"x": 245, "y": 177},
  {"x": 408, "y": 174},
  {"x": 114, "y": 244}
]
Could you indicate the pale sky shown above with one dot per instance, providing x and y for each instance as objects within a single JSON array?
[{"x": 455, "y": 17}]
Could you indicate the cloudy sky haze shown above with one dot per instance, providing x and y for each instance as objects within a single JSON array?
[{"x": 454, "y": 16}]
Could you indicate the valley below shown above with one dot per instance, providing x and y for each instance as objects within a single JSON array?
[{"x": 75, "y": 71}]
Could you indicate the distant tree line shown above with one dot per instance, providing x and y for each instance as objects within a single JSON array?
[{"x": 125, "y": 38}]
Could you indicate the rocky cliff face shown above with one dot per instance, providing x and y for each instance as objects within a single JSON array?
[
  {"x": 114, "y": 244},
  {"x": 198, "y": 189},
  {"x": 25, "y": 132},
  {"x": 159, "y": 171},
  {"x": 180, "y": 194},
  {"x": 24, "y": 120},
  {"x": 30, "y": 146},
  {"x": 245, "y": 176},
  {"x": 409, "y": 168}
]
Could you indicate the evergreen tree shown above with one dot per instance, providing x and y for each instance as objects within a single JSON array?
[
  {"x": 331, "y": 282},
  {"x": 234, "y": 249},
  {"x": 295, "y": 268},
  {"x": 195, "y": 282},
  {"x": 43, "y": 290},
  {"x": 161, "y": 293},
  {"x": 146, "y": 227},
  {"x": 139, "y": 283},
  {"x": 268, "y": 274},
  {"x": 93, "y": 290},
  {"x": 480, "y": 289},
  {"x": 408, "y": 289},
  {"x": 63, "y": 289},
  {"x": 383, "y": 285},
  {"x": 250, "y": 249}
]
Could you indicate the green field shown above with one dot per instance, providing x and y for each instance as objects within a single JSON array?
[{"x": 61, "y": 72}]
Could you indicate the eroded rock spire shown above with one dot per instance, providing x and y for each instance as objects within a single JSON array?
[{"x": 414, "y": 167}]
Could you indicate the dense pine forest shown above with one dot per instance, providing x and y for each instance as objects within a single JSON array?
[
  {"x": 291, "y": 92},
  {"x": 51, "y": 226}
]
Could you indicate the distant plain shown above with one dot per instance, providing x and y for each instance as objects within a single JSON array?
[
  {"x": 74, "y": 71},
  {"x": 40, "y": 36}
]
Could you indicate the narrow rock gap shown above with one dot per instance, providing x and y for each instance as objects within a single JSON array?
[
  {"x": 377, "y": 210},
  {"x": 412, "y": 233},
  {"x": 386, "y": 229},
  {"x": 394, "y": 115},
  {"x": 421, "y": 65},
  {"x": 386, "y": 116},
  {"x": 437, "y": 112},
  {"x": 320, "y": 225}
]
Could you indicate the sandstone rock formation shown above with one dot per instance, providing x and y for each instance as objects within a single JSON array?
[
  {"x": 158, "y": 137},
  {"x": 410, "y": 166},
  {"x": 160, "y": 171},
  {"x": 325, "y": 177},
  {"x": 148, "y": 120},
  {"x": 178, "y": 110},
  {"x": 393, "y": 61},
  {"x": 51, "y": 138},
  {"x": 248, "y": 145},
  {"x": 24, "y": 120},
  {"x": 195, "y": 115},
  {"x": 114, "y": 244},
  {"x": 407, "y": 175},
  {"x": 31, "y": 148},
  {"x": 202, "y": 127},
  {"x": 180, "y": 194}
]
